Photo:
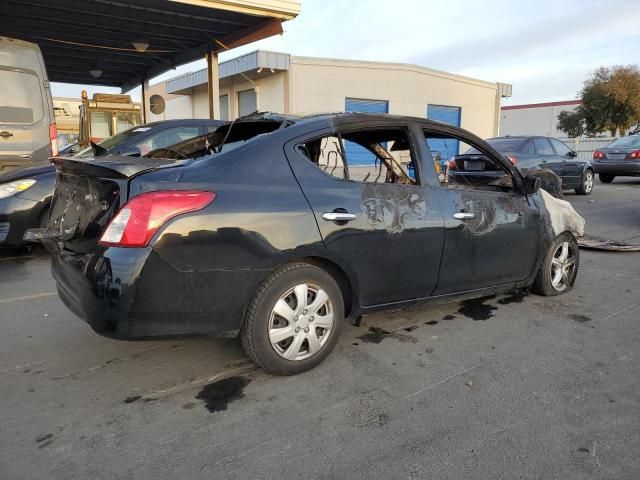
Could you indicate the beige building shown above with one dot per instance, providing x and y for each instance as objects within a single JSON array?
[{"x": 279, "y": 82}]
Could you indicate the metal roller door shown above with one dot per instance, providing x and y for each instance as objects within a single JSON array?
[
  {"x": 445, "y": 114},
  {"x": 356, "y": 155}
]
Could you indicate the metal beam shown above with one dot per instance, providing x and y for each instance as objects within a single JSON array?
[{"x": 213, "y": 85}]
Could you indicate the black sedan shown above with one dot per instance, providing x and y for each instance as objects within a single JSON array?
[
  {"x": 25, "y": 193},
  {"x": 266, "y": 228},
  {"x": 620, "y": 159},
  {"x": 534, "y": 153}
]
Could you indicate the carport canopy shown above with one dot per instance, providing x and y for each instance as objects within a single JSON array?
[{"x": 124, "y": 43}]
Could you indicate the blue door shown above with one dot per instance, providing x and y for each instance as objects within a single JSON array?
[
  {"x": 357, "y": 155},
  {"x": 445, "y": 149}
]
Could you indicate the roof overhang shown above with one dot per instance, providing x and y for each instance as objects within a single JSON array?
[
  {"x": 76, "y": 37},
  {"x": 252, "y": 66}
]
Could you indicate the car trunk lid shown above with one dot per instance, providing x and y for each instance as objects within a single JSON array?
[{"x": 88, "y": 194}]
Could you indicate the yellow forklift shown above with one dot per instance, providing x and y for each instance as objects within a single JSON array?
[{"x": 105, "y": 115}]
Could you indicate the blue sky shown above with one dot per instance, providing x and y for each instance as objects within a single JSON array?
[{"x": 544, "y": 48}]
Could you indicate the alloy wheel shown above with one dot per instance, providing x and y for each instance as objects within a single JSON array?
[
  {"x": 301, "y": 322},
  {"x": 563, "y": 266},
  {"x": 588, "y": 181}
]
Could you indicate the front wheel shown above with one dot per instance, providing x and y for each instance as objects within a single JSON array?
[
  {"x": 293, "y": 322},
  {"x": 606, "y": 177},
  {"x": 586, "y": 184},
  {"x": 559, "y": 268}
]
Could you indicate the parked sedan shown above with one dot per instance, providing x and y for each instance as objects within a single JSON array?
[
  {"x": 26, "y": 192},
  {"x": 270, "y": 231},
  {"x": 620, "y": 159},
  {"x": 533, "y": 153}
]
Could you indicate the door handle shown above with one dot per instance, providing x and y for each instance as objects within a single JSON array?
[
  {"x": 463, "y": 215},
  {"x": 6, "y": 134},
  {"x": 338, "y": 216}
]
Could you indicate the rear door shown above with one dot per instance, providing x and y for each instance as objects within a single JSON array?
[
  {"x": 385, "y": 226},
  {"x": 26, "y": 109},
  {"x": 571, "y": 165},
  {"x": 547, "y": 155},
  {"x": 492, "y": 232}
]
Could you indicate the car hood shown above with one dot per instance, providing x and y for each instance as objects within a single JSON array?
[{"x": 30, "y": 171}]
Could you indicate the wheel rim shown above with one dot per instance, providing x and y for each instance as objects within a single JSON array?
[
  {"x": 301, "y": 322},
  {"x": 563, "y": 266},
  {"x": 588, "y": 181}
]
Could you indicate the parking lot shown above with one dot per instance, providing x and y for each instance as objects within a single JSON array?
[{"x": 508, "y": 387}]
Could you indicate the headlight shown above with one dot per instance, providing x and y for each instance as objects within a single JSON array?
[{"x": 11, "y": 188}]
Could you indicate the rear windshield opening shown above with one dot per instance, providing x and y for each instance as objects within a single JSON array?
[
  {"x": 20, "y": 97},
  {"x": 627, "y": 142},
  {"x": 225, "y": 138}
]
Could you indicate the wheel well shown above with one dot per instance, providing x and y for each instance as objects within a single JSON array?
[{"x": 340, "y": 276}]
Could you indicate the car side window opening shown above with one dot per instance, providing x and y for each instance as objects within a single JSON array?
[
  {"x": 473, "y": 169},
  {"x": 368, "y": 156},
  {"x": 561, "y": 148},
  {"x": 542, "y": 146}
]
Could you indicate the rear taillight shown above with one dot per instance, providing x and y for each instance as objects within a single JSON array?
[
  {"x": 598, "y": 154},
  {"x": 512, "y": 158},
  {"x": 53, "y": 139},
  {"x": 140, "y": 218},
  {"x": 635, "y": 154}
]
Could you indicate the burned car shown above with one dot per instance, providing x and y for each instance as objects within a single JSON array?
[{"x": 278, "y": 228}]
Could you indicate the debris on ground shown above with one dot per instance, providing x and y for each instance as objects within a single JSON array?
[{"x": 597, "y": 243}]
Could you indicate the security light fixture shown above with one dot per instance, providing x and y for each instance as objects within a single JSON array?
[
  {"x": 96, "y": 72},
  {"x": 140, "y": 45}
]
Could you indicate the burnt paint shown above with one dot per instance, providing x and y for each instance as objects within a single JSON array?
[
  {"x": 218, "y": 395},
  {"x": 477, "y": 309}
]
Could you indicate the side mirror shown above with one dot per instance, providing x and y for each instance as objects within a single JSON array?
[
  {"x": 573, "y": 153},
  {"x": 531, "y": 184},
  {"x": 131, "y": 152}
]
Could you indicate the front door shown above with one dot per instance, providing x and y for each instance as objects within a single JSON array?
[
  {"x": 379, "y": 221},
  {"x": 492, "y": 233}
]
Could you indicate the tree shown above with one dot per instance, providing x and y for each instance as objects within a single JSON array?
[{"x": 610, "y": 103}]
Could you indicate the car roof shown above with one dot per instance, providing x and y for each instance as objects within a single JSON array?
[{"x": 178, "y": 122}]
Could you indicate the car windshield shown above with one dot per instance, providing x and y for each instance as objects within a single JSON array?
[
  {"x": 503, "y": 145},
  {"x": 626, "y": 142}
]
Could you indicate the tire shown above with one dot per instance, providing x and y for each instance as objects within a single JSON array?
[
  {"x": 546, "y": 281},
  {"x": 318, "y": 326},
  {"x": 606, "y": 177},
  {"x": 586, "y": 183}
]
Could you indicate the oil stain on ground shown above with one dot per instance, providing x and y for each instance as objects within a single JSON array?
[
  {"x": 44, "y": 440},
  {"x": 579, "y": 318},
  {"x": 377, "y": 334},
  {"x": 476, "y": 308},
  {"x": 218, "y": 395},
  {"x": 449, "y": 317},
  {"x": 516, "y": 296}
]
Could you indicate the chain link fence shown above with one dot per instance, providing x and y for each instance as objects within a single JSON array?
[{"x": 586, "y": 146}]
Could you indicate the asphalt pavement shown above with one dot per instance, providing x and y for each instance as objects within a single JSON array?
[{"x": 508, "y": 387}]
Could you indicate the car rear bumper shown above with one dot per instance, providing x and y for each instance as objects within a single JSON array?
[
  {"x": 623, "y": 167},
  {"x": 16, "y": 215},
  {"x": 130, "y": 293}
]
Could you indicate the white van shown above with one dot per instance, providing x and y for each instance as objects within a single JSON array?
[{"x": 27, "y": 123}]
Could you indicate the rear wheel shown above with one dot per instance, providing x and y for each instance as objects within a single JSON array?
[
  {"x": 586, "y": 184},
  {"x": 559, "y": 268},
  {"x": 606, "y": 177},
  {"x": 293, "y": 322}
]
